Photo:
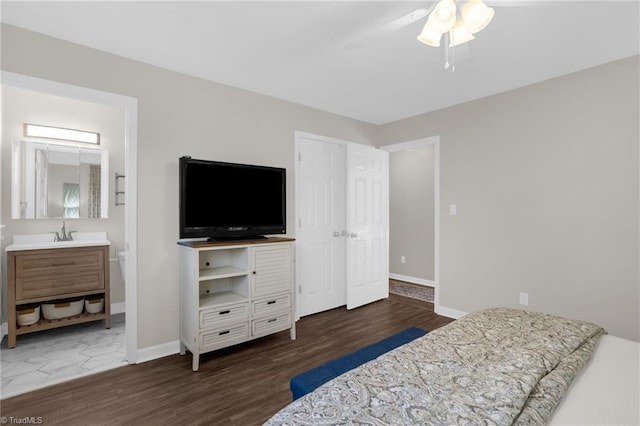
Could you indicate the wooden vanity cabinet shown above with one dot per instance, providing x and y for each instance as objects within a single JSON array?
[{"x": 44, "y": 275}]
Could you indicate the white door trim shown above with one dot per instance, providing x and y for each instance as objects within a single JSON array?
[
  {"x": 418, "y": 143},
  {"x": 130, "y": 108},
  {"x": 299, "y": 134}
]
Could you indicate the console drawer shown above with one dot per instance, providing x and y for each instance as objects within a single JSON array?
[
  {"x": 216, "y": 316},
  {"x": 269, "y": 325},
  {"x": 224, "y": 336},
  {"x": 273, "y": 304}
]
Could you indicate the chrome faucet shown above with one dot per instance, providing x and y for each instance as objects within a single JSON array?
[{"x": 63, "y": 236}]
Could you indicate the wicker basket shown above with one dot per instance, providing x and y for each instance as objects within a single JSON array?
[
  {"x": 28, "y": 315},
  {"x": 94, "y": 305},
  {"x": 62, "y": 308}
]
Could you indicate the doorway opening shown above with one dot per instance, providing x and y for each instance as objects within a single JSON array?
[
  {"x": 414, "y": 220},
  {"x": 128, "y": 108}
]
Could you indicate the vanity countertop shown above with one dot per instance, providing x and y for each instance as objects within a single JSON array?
[{"x": 45, "y": 241}]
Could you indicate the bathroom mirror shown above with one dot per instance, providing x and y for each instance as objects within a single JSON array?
[{"x": 61, "y": 181}]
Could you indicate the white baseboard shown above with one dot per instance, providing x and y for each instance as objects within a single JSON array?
[
  {"x": 158, "y": 351},
  {"x": 118, "y": 308},
  {"x": 4, "y": 330},
  {"x": 449, "y": 312},
  {"x": 412, "y": 280}
]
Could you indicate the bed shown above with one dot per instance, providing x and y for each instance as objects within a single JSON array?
[
  {"x": 498, "y": 366},
  {"x": 607, "y": 390}
]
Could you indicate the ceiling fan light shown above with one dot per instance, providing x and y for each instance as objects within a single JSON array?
[
  {"x": 460, "y": 34},
  {"x": 430, "y": 37},
  {"x": 476, "y": 15},
  {"x": 443, "y": 17}
]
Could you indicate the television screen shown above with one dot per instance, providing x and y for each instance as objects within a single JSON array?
[{"x": 227, "y": 200}]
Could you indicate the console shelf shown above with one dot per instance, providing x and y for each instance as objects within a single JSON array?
[
  {"x": 221, "y": 298},
  {"x": 221, "y": 272}
]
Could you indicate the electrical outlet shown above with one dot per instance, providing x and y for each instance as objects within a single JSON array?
[
  {"x": 402, "y": 259},
  {"x": 524, "y": 299}
]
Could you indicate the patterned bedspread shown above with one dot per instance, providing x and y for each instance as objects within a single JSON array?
[{"x": 499, "y": 366}]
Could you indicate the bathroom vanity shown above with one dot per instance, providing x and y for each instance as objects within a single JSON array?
[{"x": 55, "y": 273}]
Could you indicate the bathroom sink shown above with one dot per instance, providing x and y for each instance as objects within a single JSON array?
[{"x": 45, "y": 241}]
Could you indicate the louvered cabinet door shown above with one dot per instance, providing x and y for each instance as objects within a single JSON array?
[{"x": 272, "y": 270}]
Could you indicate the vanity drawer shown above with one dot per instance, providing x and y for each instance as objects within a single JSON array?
[
  {"x": 273, "y": 304},
  {"x": 43, "y": 286},
  {"x": 59, "y": 262},
  {"x": 215, "y": 316}
]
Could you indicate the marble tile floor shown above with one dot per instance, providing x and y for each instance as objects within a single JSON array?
[{"x": 54, "y": 356}]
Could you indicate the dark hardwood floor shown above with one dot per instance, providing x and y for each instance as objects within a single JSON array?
[{"x": 243, "y": 385}]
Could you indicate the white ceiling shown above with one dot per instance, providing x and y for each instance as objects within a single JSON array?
[{"x": 331, "y": 55}]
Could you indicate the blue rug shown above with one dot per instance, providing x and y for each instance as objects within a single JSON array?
[{"x": 306, "y": 382}]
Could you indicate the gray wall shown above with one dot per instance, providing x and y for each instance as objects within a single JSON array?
[
  {"x": 545, "y": 178},
  {"x": 411, "y": 198},
  {"x": 546, "y": 182},
  {"x": 177, "y": 115}
]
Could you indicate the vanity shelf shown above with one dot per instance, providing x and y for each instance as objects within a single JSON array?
[{"x": 45, "y": 324}]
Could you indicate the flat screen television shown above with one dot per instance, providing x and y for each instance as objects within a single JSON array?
[{"x": 228, "y": 201}]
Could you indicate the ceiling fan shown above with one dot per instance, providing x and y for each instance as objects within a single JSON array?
[{"x": 455, "y": 21}]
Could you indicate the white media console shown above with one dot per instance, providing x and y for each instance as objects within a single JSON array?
[{"x": 232, "y": 292}]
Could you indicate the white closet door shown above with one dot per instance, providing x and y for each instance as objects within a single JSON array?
[
  {"x": 367, "y": 223},
  {"x": 321, "y": 220}
]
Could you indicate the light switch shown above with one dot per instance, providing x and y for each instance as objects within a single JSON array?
[{"x": 453, "y": 209}]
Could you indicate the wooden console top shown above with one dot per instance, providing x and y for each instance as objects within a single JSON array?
[{"x": 201, "y": 244}]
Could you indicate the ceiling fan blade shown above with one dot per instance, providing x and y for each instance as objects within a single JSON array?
[{"x": 392, "y": 26}]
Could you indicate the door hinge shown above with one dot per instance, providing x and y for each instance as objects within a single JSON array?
[
  {"x": 300, "y": 289},
  {"x": 299, "y": 156},
  {"x": 299, "y": 223}
]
